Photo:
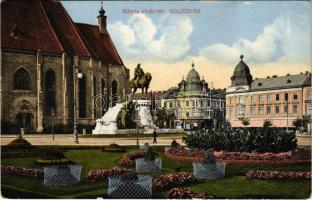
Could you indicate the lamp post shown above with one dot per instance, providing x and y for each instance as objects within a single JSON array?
[
  {"x": 52, "y": 121},
  {"x": 79, "y": 75}
]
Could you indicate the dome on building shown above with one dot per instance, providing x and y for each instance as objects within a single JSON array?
[
  {"x": 192, "y": 75},
  {"x": 192, "y": 83},
  {"x": 241, "y": 75}
]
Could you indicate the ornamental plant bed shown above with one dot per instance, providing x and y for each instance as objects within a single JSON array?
[
  {"x": 128, "y": 158},
  {"x": 103, "y": 174},
  {"x": 53, "y": 157},
  {"x": 268, "y": 175},
  {"x": 296, "y": 156},
  {"x": 186, "y": 193},
  {"x": 21, "y": 171},
  {"x": 114, "y": 148},
  {"x": 171, "y": 180}
]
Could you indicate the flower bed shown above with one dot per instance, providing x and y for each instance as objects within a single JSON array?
[
  {"x": 114, "y": 148},
  {"x": 296, "y": 156},
  {"x": 128, "y": 158},
  {"x": 260, "y": 174},
  {"x": 103, "y": 174},
  {"x": 184, "y": 193},
  {"x": 171, "y": 180},
  {"x": 21, "y": 171}
]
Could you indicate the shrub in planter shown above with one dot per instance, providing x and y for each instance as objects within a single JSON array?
[
  {"x": 103, "y": 174},
  {"x": 20, "y": 143},
  {"x": 21, "y": 171},
  {"x": 171, "y": 180},
  {"x": 185, "y": 193},
  {"x": 174, "y": 144},
  {"x": 149, "y": 163},
  {"x": 209, "y": 168},
  {"x": 260, "y": 174},
  {"x": 114, "y": 148}
]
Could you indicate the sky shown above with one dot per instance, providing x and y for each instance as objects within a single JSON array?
[{"x": 273, "y": 36}]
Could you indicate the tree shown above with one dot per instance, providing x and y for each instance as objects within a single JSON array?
[
  {"x": 267, "y": 123},
  {"x": 298, "y": 123},
  {"x": 245, "y": 121}
]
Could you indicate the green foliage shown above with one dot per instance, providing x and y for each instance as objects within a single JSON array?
[
  {"x": 20, "y": 142},
  {"x": 267, "y": 123},
  {"x": 174, "y": 144},
  {"x": 246, "y": 140},
  {"x": 125, "y": 117},
  {"x": 298, "y": 123},
  {"x": 150, "y": 154},
  {"x": 245, "y": 121},
  {"x": 164, "y": 118}
]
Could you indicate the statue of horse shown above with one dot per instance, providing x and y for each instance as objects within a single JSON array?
[{"x": 142, "y": 83}]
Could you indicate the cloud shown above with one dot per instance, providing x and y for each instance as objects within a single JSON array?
[
  {"x": 286, "y": 39},
  {"x": 140, "y": 37}
]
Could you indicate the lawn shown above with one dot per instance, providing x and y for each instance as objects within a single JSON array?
[{"x": 233, "y": 185}]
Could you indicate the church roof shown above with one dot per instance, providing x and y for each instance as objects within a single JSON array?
[{"x": 46, "y": 26}]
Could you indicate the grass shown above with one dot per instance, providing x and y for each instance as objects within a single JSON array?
[{"x": 233, "y": 185}]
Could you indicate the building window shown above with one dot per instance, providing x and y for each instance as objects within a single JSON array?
[
  {"x": 308, "y": 109},
  {"x": 253, "y": 110},
  {"x": 277, "y": 109},
  {"x": 295, "y": 96},
  {"x": 165, "y": 104},
  {"x": 286, "y": 108},
  {"x": 260, "y": 99},
  {"x": 170, "y": 104},
  {"x": 252, "y": 99},
  {"x": 241, "y": 99},
  {"x": 21, "y": 80},
  {"x": 50, "y": 93},
  {"x": 261, "y": 110},
  {"x": 295, "y": 108},
  {"x": 187, "y": 103},
  {"x": 83, "y": 96},
  {"x": 268, "y": 109},
  {"x": 187, "y": 114},
  {"x": 269, "y": 99},
  {"x": 231, "y": 110},
  {"x": 286, "y": 96},
  {"x": 277, "y": 97},
  {"x": 231, "y": 100}
]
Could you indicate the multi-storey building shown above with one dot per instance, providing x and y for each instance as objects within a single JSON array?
[
  {"x": 43, "y": 52},
  {"x": 280, "y": 99},
  {"x": 194, "y": 104}
]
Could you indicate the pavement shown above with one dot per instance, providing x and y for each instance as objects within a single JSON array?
[{"x": 68, "y": 139}]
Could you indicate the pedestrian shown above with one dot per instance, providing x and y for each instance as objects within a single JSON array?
[{"x": 154, "y": 136}]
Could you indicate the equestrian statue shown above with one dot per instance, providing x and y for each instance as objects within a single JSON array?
[{"x": 141, "y": 80}]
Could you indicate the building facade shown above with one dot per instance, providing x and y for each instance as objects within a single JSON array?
[
  {"x": 44, "y": 55},
  {"x": 194, "y": 104},
  {"x": 279, "y": 99}
]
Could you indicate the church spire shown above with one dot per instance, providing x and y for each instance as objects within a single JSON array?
[{"x": 102, "y": 19}]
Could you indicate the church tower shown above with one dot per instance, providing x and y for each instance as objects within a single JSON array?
[{"x": 102, "y": 20}]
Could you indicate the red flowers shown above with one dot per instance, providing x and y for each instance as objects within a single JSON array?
[
  {"x": 170, "y": 180},
  {"x": 260, "y": 174},
  {"x": 290, "y": 157},
  {"x": 21, "y": 171},
  {"x": 184, "y": 193},
  {"x": 103, "y": 174},
  {"x": 128, "y": 158}
]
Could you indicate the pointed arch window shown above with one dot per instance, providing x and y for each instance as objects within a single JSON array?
[
  {"x": 50, "y": 92},
  {"x": 21, "y": 80},
  {"x": 114, "y": 93},
  {"x": 83, "y": 96}
]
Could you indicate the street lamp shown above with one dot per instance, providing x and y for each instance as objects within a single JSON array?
[
  {"x": 79, "y": 76},
  {"x": 52, "y": 121}
]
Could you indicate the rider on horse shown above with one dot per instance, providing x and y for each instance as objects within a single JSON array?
[{"x": 138, "y": 74}]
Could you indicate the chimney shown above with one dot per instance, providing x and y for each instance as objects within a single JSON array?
[{"x": 102, "y": 20}]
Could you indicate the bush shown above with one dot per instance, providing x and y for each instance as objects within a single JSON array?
[
  {"x": 245, "y": 140},
  {"x": 171, "y": 180},
  {"x": 150, "y": 154},
  {"x": 185, "y": 193},
  {"x": 128, "y": 158},
  {"x": 20, "y": 171},
  {"x": 259, "y": 174},
  {"x": 174, "y": 144},
  {"x": 267, "y": 123},
  {"x": 20, "y": 142},
  {"x": 103, "y": 174},
  {"x": 114, "y": 148},
  {"x": 52, "y": 157}
]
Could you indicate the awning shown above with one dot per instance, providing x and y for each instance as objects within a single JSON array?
[{"x": 259, "y": 123}]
